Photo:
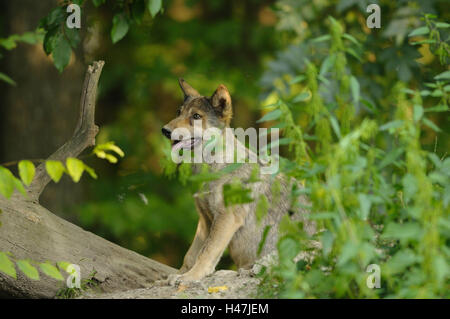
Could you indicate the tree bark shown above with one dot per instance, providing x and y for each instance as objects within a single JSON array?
[{"x": 29, "y": 231}]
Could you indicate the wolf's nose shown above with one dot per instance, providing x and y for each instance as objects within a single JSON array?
[{"x": 166, "y": 133}]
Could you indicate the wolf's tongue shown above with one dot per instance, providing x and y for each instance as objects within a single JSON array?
[{"x": 181, "y": 144}]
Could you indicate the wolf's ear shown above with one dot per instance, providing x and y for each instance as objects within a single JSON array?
[
  {"x": 188, "y": 90},
  {"x": 221, "y": 101}
]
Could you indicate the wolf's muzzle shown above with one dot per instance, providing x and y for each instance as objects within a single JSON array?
[{"x": 166, "y": 133}]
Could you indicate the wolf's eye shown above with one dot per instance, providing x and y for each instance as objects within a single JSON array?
[
  {"x": 197, "y": 116},
  {"x": 178, "y": 112}
]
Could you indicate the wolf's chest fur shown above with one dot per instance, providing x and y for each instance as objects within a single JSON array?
[{"x": 245, "y": 241}]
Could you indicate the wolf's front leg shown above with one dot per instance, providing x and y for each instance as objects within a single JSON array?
[
  {"x": 200, "y": 236},
  {"x": 222, "y": 230}
]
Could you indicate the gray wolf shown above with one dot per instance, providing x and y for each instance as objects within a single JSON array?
[{"x": 235, "y": 226}]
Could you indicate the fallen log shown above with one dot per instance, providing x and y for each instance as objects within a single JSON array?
[{"x": 29, "y": 231}]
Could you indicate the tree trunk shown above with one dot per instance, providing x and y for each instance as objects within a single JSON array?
[
  {"x": 30, "y": 121},
  {"x": 29, "y": 231}
]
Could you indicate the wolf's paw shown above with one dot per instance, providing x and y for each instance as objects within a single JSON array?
[
  {"x": 245, "y": 272},
  {"x": 173, "y": 280},
  {"x": 177, "y": 279}
]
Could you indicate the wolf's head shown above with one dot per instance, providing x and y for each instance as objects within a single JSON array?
[{"x": 209, "y": 112}]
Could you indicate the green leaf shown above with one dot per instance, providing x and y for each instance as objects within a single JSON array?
[
  {"x": 263, "y": 240},
  {"x": 417, "y": 112},
  {"x": 288, "y": 226},
  {"x": 272, "y": 105},
  {"x": 273, "y": 115},
  {"x": 391, "y": 157},
  {"x": 75, "y": 168},
  {"x": 55, "y": 17},
  {"x": 435, "y": 160},
  {"x": 335, "y": 125},
  {"x": 110, "y": 158},
  {"x": 33, "y": 37},
  {"x": 231, "y": 167},
  {"x": 419, "y": 31},
  {"x": 55, "y": 170},
  {"x": 443, "y": 76},
  {"x": 428, "y": 41},
  {"x": 51, "y": 271},
  {"x": 442, "y": 25},
  {"x": 154, "y": 6},
  {"x": 351, "y": 38},
  {"x": 288, "y": 248},
  {"x": 90, "y": 171},
  {"x": 431, "y": 125},
  {"x": 327, "y": 64},
  {"x": 369, "y": 105},
  {"x": 391, "y": 125},
  {"x": 322, "y": 38},
  {"x": 63, "y": 265},
  {"x": 205, "y": 177},
  {"x": 354, "y": 86},
  {"x": 324, "y": 80},
  {"x": 7, "y": 266},
  {"x": 301, "y": 97},
  {"x": 441, "y": 268},
  {"x": 323, "y": 215},
  {"x": 280, "y": 141},
  {"x": 19, "y": 186},
  {"x": 408, "y": 91},
  {"x": 297, "y": 79},
  {"x": 62, "y": 53},
  {"x": 120, "y": 28},
  {"x": 409, "y": 186},
  {"x": 73, "y": 36},
  {"x": 26, "y": 171},
  {"x": 51, "y": 39},
  {"x": 7, "y": 79},
  {"x": 109, "y": 146},
  {"x": 353, "y": 54},
  {"x": 408, "y": 230},
  {"x": 437, "y": 108},
  {"x": 8, "y": 43},
  {"x": 428, "y": 84},
  {"x": 400, "y": 261},
  {"x": 28, "y": 269},
  {"x": 235, "y": 193},
  {"x": 349, "y": 251},
  {"x": 425, "y": 92},
  {"x": 437, "y": 93},
  {"x": 364, "y": 205},
  {"x": 327, "y": 240},
  {"x": 262, "y": 208},
  {"x": 6, "y": 182}
]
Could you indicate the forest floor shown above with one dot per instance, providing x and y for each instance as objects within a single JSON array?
[
  {"x": 227, "y": 284},
  {"x": 221, "y": 284}
]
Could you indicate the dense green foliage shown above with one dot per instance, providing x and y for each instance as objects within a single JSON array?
[{"x": 379, "y": 195}]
